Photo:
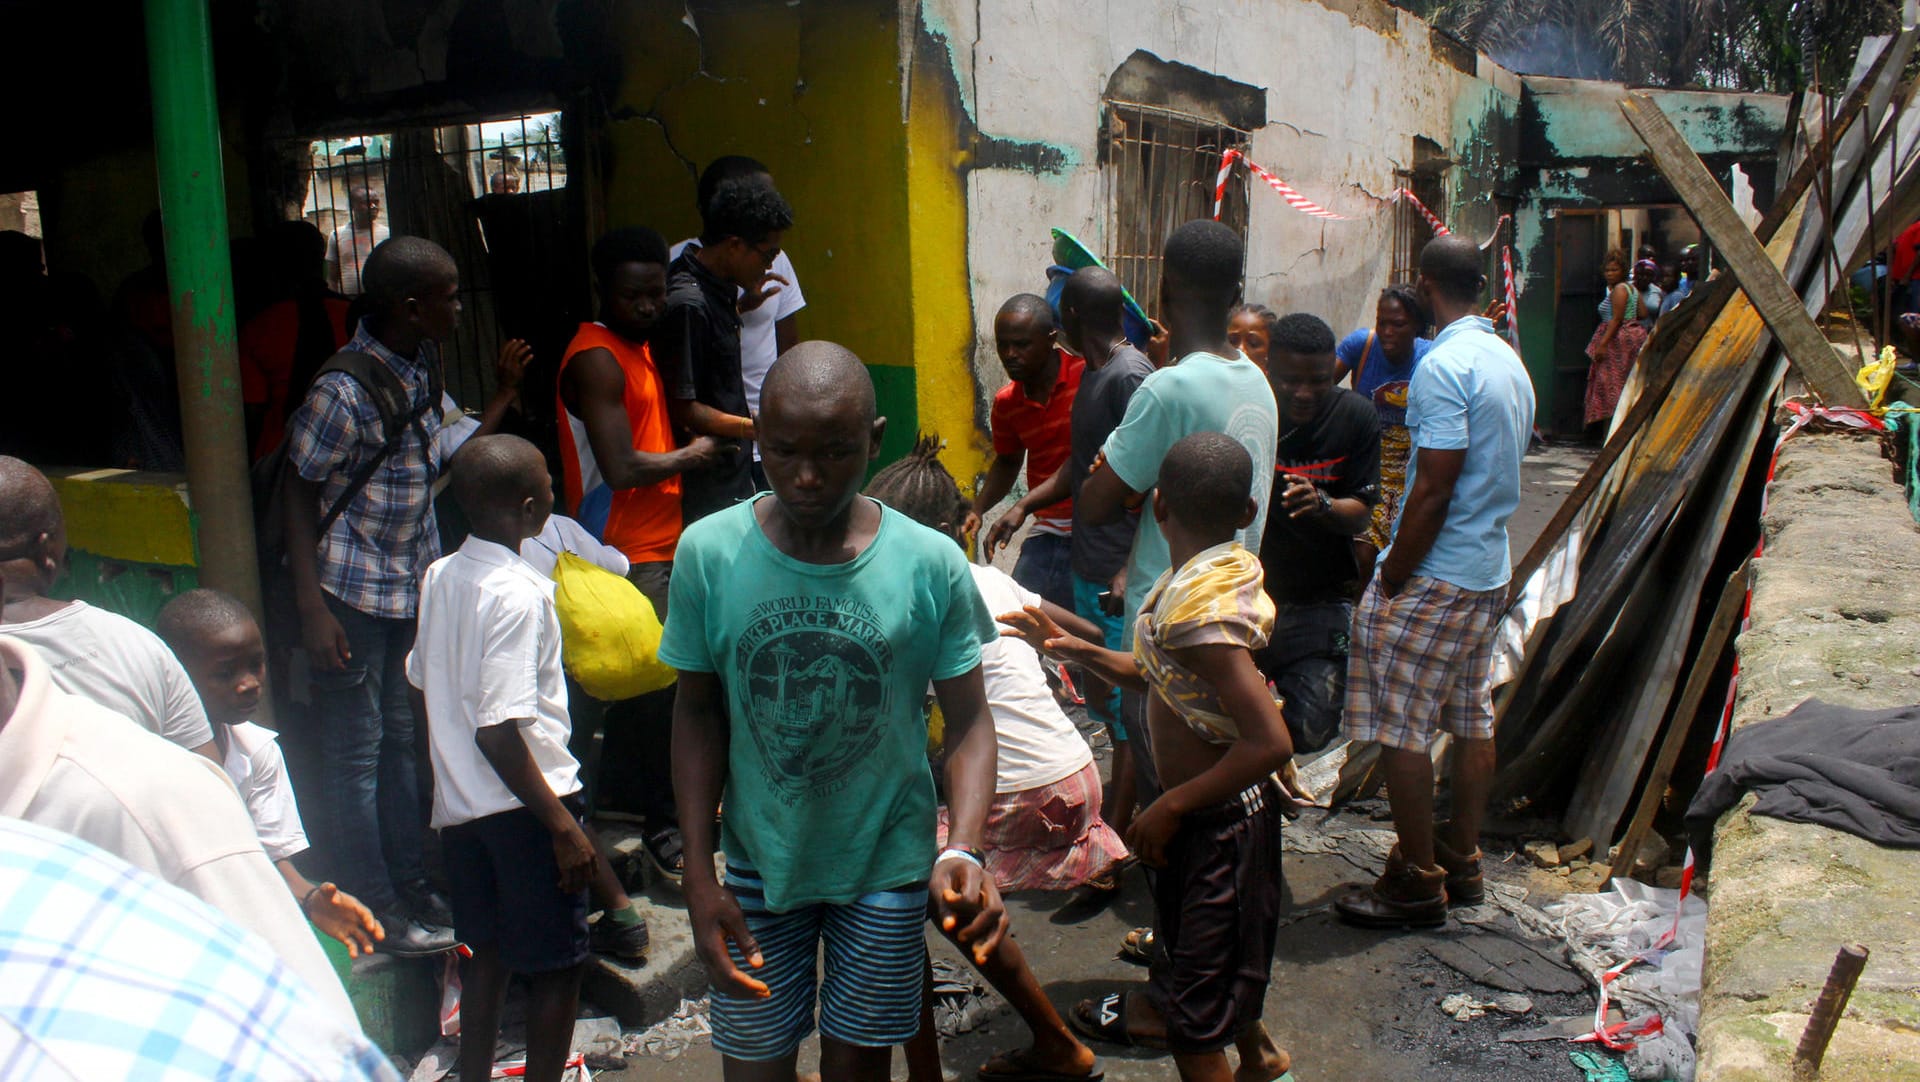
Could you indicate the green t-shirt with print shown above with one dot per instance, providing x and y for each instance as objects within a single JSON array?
[{"x": 825, "y": 669}]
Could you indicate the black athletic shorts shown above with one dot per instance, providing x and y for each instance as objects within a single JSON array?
[
  {"x": 504, "y": 886},
  {"x": 1217, "y": 909}
]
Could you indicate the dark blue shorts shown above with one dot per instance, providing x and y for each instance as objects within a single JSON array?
[
  {"x": 1045, "y": 566},
  {"x": 504, "y": 884}
]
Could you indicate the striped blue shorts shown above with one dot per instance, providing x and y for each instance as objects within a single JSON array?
[{"x": 875, "y": 974}]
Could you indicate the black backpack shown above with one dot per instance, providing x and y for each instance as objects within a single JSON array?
[
  {"x": 271, "y": 472},
  {"x": 268, "y": 476}
]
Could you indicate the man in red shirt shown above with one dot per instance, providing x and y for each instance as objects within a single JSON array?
[{"x": 1031, "y": 422}]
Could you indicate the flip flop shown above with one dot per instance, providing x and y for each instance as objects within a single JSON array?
[
  {"x": 1138, "y": 947},
  {"x": 1106, "y": 1020},
  {"x": 1019, "y": 1065}
]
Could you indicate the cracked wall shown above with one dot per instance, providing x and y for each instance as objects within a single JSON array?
[
  {"x": 1336, "y": 129},
  {"x": 813, "y": 90}
]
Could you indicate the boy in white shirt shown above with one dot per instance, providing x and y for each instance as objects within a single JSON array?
[
  {"x": 506, "y": 792},
  {"x": 220, "y": 647}
]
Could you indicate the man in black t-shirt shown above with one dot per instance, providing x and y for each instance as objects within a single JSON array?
[
  {"x": 697, "y": 343},
  {"x": 1326, "y": 481}
]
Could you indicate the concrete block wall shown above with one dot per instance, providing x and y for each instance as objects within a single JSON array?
[{"x": 1836, "y": 615}]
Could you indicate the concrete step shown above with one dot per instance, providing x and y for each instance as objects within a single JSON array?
[{"x": 639, "y": 996}]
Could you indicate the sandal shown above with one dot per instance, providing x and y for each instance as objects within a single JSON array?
[
  {"x": 663, "y": 851},
  {"x": 1138, "y": 947},
  {"x": 1106, "y": 1020},
  {"x": 1022, "y": 1065}
]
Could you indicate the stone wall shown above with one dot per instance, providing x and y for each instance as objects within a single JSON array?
[{"x": 1836, "y": 615}]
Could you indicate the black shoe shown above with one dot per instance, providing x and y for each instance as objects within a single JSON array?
[
  {"x": 425, "y": 904},
  {"x": 663, "y": 852},
  {"x": 408, "y": 938},
  {"x": 627, "y": 942}
]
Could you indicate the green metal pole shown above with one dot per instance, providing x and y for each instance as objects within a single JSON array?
[{"x": 193, "y": 217}]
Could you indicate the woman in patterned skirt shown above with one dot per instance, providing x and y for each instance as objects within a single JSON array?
[{"x": 1616, "y": 342}]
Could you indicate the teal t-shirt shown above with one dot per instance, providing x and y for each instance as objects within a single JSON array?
[
  {"x": 1205, "y": 392},
  {"x": 825, "y": 669}
]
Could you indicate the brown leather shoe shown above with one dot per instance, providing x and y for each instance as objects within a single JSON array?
[
  {"x": 1403, "y": 897},
  {"x": 1464, "y": 883}
]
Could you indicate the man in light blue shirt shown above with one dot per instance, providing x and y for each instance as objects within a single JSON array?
[
  {"x": 1423, "y": 635},
  {"x": 1213, "y": 387}
]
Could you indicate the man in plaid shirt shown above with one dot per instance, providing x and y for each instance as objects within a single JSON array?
[
  {"x": 108, "y": 972},
  {"x": 358, "y": 587}
]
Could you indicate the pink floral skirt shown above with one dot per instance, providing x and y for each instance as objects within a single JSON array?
[{"x": 1050, "y": 838}]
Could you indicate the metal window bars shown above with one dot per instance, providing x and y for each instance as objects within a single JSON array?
[
  {"x": 1164, "y": 166},
  {"x": 431, "y": 182}
]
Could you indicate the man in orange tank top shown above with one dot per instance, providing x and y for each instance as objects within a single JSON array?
[{"x": 622, "y": 474}]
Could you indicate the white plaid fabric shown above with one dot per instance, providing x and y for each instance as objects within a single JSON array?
[{"x": 107, "y": 972}]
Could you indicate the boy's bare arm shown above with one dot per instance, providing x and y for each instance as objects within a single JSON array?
[
  {"x": 1035, "y": 624},
  {"x": 958, "y": 885},
  {"x": 1262, "y": 747},
  {"x": 333, "y": 911},
  {"x": 700, "y": 740},
  {"x": 1073, "y": 623},
  {"x": 506, "y": 751}
]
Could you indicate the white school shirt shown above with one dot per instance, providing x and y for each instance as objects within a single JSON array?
[
  {"x": 71, "y": 765},
  {"x": 259, "y": 771},
  {"x": 759, "y": 347},
  {"x": 105, "y": 657},
  {"x": 487, "y": 652},
  {"x": 1038, "y": 744},
  {"x": 562, "y": 534}
]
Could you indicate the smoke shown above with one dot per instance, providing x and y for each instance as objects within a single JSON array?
[{"x": 1553, "y": 49}]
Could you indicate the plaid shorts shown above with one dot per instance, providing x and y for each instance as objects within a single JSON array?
[{"x": 1422, "y": 662}]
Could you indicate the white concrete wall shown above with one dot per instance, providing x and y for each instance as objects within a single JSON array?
[{"x": 1346, "y": 95}]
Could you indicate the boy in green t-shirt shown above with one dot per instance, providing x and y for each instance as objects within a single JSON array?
[{"x": 806, "y": 625}]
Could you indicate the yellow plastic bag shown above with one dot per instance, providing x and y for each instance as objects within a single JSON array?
[
  {"x": 609, "y": 634},
  {"x": 1873, "y": 378}
]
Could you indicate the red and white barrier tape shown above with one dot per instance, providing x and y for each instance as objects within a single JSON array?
[
  {"x": 1620, "y": 1036},
  {"x": 1220, "y": 183},
  {"x": 1513, "y": 297},
  {"x": 1307, "y": 206},
  {"x": 1286, "y": 191},
  {"x": 1439, "y": 227}
]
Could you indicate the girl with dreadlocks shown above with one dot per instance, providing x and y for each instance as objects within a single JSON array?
[{"x": 1044, "y": 830}]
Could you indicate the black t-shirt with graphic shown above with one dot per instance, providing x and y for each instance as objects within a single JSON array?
[{"x": 1339, "y": 451}]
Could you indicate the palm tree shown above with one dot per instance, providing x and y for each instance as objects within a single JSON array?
[{"x": 1773, "y": 45}]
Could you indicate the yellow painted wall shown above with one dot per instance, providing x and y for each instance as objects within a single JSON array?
[
  {"x": 813, "y": 91},
  {"x": 942, "y": 290}
]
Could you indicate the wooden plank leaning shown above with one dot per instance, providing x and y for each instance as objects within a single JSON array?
[
  {"x": 1782, "y": 308},
  {"x": 1674, "y": 340},
  {"x": 1720, "y": 628}
]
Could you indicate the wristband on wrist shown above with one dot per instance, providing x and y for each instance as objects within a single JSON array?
[
  {"x": 962, "y": 852},
  {"x": 306, "y": 903}
]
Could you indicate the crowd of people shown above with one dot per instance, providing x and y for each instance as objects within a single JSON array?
[
  {"x": 1231, "y": 557},
  {"x": 1637, "y": 295}
]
